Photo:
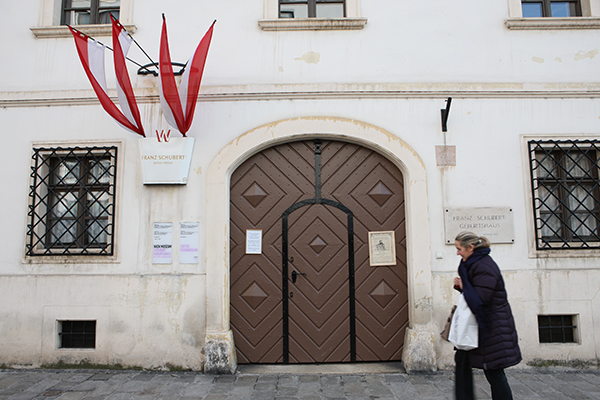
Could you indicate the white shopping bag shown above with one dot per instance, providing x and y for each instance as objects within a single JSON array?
[{"x": 463, "y": 331}]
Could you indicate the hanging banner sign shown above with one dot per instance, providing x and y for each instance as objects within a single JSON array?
[
  {"x": 166, "y": 162},
  {"x": 189, "y": 239},
  {"x": 162, "y": 244}
]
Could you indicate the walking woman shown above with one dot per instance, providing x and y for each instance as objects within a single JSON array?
[{"x": 482, "y": 285}]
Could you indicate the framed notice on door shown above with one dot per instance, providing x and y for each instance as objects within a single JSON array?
[
  {"x": 253, "y": 241},
  {"x": 382, "y": 248}
]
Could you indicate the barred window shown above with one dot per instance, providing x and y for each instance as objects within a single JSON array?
[
  {"x": 566, "y": 194},
  {"x": 72, "y": 199},
  {"x": 77, "y": 334},
  {"x": 557, "y": 328},
  {"x": 312, "y": 9},
  {"x": 89, "y": 12}
]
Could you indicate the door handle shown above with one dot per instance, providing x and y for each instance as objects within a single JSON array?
[{"x": 295, "y": 275}]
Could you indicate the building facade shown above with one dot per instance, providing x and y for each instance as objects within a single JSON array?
[{"x": 319, "y": 126}]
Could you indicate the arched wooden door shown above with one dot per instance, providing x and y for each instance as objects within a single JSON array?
[{"x": 315, "y": 203}]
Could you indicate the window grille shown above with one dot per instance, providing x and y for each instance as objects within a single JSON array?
[
  {"x": 556, "y": 328},
  {"x": 566, "y": 194},
  {"x": 312, "y": 9},
  {"x": 77, "y": 334},
  {"x": 89, "y": 12},
  {"x": 72, "y": 197}
]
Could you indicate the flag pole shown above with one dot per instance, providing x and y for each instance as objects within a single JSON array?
[{"x": 135, "y": 41}]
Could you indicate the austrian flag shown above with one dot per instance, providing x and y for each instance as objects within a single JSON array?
[
  {"x": 179, "y": 106},
  {"x": 91, "y": 54}
]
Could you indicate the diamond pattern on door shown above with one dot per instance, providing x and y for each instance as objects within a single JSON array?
[
  {"x": 254, "y": 295},
  {"x": 255, "y": 194},
  {"x": 383, "y": 294},
  {"x": 380, "y": 193},
  {"x": 318, "y": 244},
  {"x": 265, "y": 186}
]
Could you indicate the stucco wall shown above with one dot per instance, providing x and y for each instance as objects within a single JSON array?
[{"x": 392, "y": 76}]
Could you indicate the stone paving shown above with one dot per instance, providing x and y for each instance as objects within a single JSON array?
[{"x": 144, "y": 385}]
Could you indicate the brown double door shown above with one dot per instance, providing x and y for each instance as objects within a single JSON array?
[{"x": 311, "y": 295}]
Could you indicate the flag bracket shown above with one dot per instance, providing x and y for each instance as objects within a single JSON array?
[
  {"x": 152, "y": 68},
  {"x": 445, "y": 114}
]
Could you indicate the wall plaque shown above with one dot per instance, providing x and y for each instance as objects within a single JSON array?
[
  {"x": 166, "y": 162},
  {"x": 495, "y": 223},
  {"x": 382, "y": 248}
]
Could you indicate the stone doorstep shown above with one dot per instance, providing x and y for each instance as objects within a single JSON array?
[{"x": 338, "y": 369}]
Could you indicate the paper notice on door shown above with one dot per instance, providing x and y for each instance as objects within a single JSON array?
[
  {"x": 382, "y": 248},
  {"x": 189, "y": 239},
  {"x": 253, "y": 241},
  {"x": 162, "y": 246}
]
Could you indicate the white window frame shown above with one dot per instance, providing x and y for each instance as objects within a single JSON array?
[
  {"x": 49, "y": 21},
  {"x": 272, "y": 22},
  {"x": 533, "y": 252},
  {"x": 590, "y": 19}
]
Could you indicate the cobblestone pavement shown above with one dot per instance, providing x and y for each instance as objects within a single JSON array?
[{"x": 144, "y": 385}]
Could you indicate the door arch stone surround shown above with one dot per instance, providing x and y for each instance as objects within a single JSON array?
[{"x": 419, "y": 349}]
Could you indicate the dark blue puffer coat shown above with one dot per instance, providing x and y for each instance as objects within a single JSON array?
[{"x": 499, "y": 347}]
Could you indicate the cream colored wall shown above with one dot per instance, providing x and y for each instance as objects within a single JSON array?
[
  {"x": 381, "y": 87},
  {"x": 148, "y": 321}
]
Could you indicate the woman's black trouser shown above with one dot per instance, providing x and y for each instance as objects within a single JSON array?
[{"x": 463, "y": 385}]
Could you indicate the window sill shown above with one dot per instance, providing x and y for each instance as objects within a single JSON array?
[
  {"x": 565, "y": 253},
  {"x": 45, "y": 32},
  {"x": 314, "y": 24},
  {"x": 71, "y": 259},
  {"x": 553, "y": 23}
]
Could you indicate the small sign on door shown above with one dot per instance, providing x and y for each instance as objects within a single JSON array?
[
  {"x": 382, "y": 248},
  {"x": 253, "y": 241}
]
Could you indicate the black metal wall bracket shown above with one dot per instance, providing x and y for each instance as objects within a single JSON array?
[
  {"x": 152, "y": 69},
  {"x": 445, "y": 113}
]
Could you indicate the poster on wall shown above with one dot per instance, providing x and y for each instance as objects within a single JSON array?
[
  {"x": 253, "y": 241},
  {"x": 382, "y": 248},
  {"x": 162, "y": 244},
  {"x": 189, "y": 239}
]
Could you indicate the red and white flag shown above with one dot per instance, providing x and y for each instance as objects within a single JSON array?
[
  {"x": 91, "y": 54},
  {"x": 179, "y": 106},
  {"x": 121, "y": 43}
]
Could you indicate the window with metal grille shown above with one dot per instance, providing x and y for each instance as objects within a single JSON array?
[
  {"x": 72, "y": 197},
  {"x": 89, "y": 12},
  {"x": 77, "y": 334},
  {"x": 566, "y": 193},
  {"x": 550, "y": 8},
  {"x": 557, "y": 328},
  {"x": 311, "y": 9}
]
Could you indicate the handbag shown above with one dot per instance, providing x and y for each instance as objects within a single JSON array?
[
  {"x": 446, "y": 331},
  {"x": 464, "y": 332}
]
